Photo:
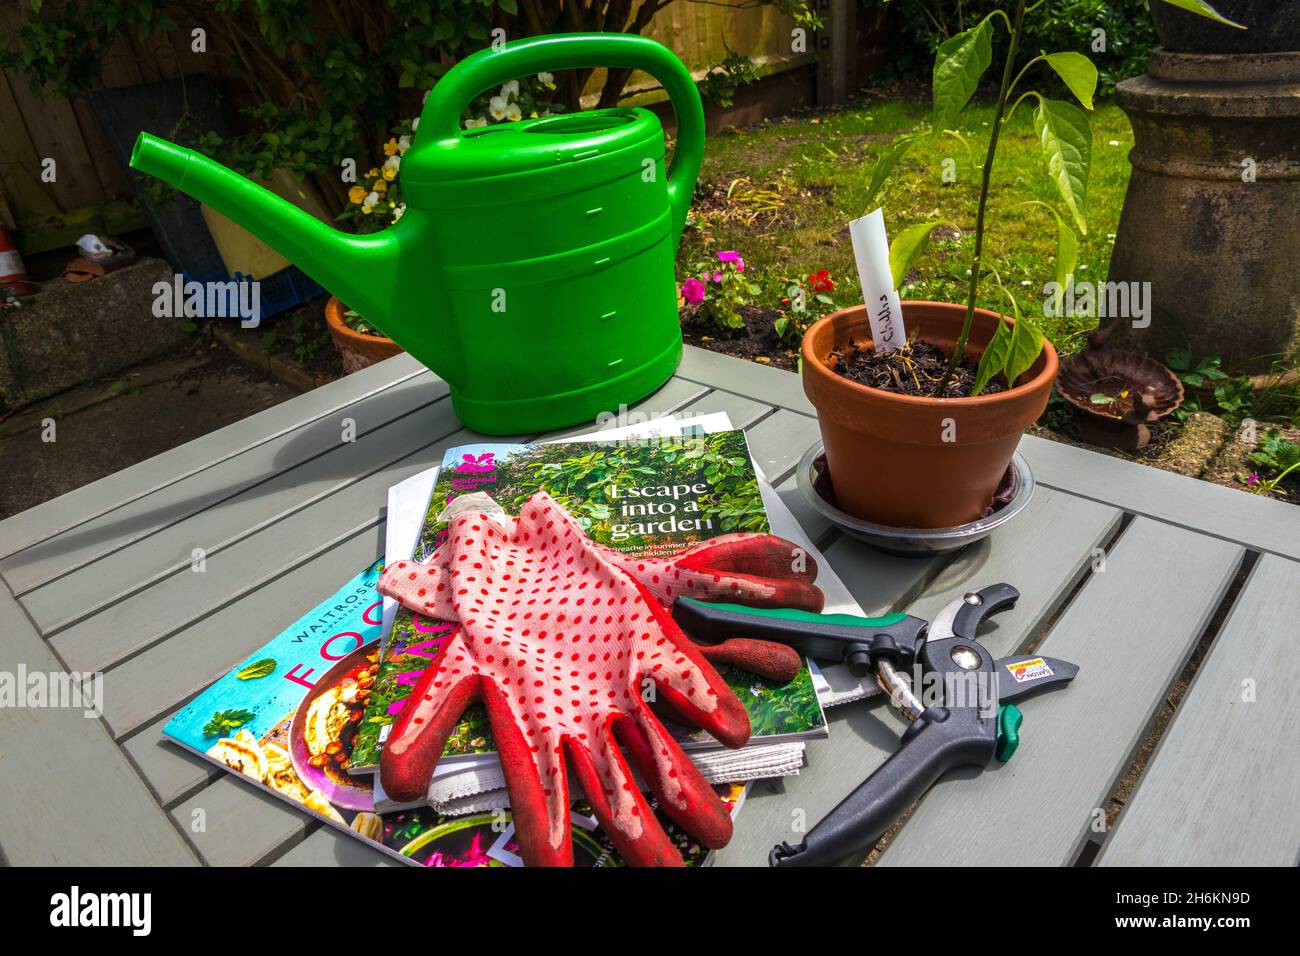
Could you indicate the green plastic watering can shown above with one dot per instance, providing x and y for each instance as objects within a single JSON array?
[{"x": 533, "y": 267}]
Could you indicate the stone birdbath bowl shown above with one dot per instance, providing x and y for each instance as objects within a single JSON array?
[{"x": 1120, "y": 392}]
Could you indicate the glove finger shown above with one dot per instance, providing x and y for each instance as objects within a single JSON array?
[
  {"x": 689, "y": 684},
  {"x": 760, "y": 570},
  {"x": 420, "y": 732},
  {"x": 684, "y": 795},
  {"x": 776, "y": 662},
  {"x": 419, "y": 587},
  {"x": 618, "y": 804},
  {"x": 533, "y": 765}
]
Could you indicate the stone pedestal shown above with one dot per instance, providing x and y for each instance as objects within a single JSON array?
[{"x": 1212, "y": 215}]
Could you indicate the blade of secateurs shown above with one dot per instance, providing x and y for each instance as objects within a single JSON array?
[{"x": 1027, "y": 674}]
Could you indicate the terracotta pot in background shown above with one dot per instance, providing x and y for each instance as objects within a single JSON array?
[
  {"x": 358, "y": 349},
  {"x": 886, "y": 453}
]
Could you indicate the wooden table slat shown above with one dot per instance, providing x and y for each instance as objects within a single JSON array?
[
  {"x": 1223, "y": 785},
  {"x": 762, "y": 383},
  {"x": 57, "y": 766},
  {"x": 1130, "y": 629},
  {"x": 245, "y": 478},
  {"x": 1263, "y": 524},
  {"x": 147, "y": 685},
  {"x": 779, "y": 441},
  {"x": 184, "y": 596},
  {"x": 91, "y": 501},
  {"x": 329, "y": 846},
  {"x": 239, "y": 518},
  {"x": 234, "y": 822},
  {"x": 171, "y": 771}
]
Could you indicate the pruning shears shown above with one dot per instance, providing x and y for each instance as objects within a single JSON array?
[{"x": 962, "y": 708}]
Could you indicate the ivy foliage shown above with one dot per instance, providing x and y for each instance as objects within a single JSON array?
[{"x": 326, "y": 81}]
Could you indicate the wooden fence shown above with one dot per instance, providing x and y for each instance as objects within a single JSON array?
[{"x": 89, "y": 192}]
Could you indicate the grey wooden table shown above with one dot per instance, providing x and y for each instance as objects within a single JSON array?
[{"x": 1124, "y": 570}]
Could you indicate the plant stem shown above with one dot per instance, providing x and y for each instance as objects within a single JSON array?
[{"x": 984, "y": 199}]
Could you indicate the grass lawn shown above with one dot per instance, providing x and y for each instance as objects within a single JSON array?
[{"x": 805, "y": 176}]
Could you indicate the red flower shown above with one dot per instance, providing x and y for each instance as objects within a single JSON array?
[{"x": 821, "y": 281}]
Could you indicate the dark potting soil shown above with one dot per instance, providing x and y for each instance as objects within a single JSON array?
[
  {"x": 915, "y": 369},
  {"x": 756, "y": 341}
]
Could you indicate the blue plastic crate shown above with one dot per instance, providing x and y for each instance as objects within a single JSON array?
[{"x": 279, "y": 291}]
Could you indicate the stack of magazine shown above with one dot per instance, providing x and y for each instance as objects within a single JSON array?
[{"x": 306, "y": 716}]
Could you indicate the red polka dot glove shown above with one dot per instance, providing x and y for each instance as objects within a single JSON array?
[{"x": 563, "y": 646}]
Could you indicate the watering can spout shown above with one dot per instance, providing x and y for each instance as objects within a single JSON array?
[{"x": 360, "y": 270}]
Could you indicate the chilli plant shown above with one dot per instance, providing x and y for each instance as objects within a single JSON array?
[{"x": 1066, "y": 138}]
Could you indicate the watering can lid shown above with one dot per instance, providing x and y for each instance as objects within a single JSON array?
[{"x": 535, "y": 145}]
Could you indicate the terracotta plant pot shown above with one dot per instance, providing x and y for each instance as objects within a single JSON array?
[
  {"x": 916, "y": 462},
  {"x": 358, "y": 349}
]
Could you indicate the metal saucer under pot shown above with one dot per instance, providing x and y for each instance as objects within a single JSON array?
[{"x": 1013, "y": 494}]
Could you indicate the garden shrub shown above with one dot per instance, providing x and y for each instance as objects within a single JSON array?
[{"x": 921, "y": 25}]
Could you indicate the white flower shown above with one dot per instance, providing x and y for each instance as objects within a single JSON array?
[
  {"x": 415, "y": 123},
  {"x": 547, "y": 80},
  {"x": 371, "y": 198},
  {"x": 513, "y": 112},
  {"x": 398, "y": 211},
  {"x": 1114, "y": 142},
  {"x": 510, "y": 89},
  {"x": 497, "y": 107},
  {"x": 475, "y": 123},
  {"x": 1083, "y": 267},
  {"x": 393, "y": 162},
  {"x": 403, "y": 144},
  {"x": 1024, "y": 282}
]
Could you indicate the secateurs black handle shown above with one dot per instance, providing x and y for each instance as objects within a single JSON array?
[{"x": 930, "y": 748}]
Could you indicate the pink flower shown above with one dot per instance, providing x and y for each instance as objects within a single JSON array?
[
  {"x": 1253, "y": 479},
  {"x": 693, "y": 291},
  {"x": 717, "y": 277},
  {"x": 734, "y": 257}
]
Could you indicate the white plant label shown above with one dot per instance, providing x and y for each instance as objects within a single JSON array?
[{"x": 871, "y": 253}]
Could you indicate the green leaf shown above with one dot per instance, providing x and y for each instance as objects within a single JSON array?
[
  {"x": 1067, "y": 255},
  {"x": 1078, "y": 73},
  {"x": 224, "y": 721},
  {"x": 894, "y": 152},
  {"x": 994, "y": 358},
  {"x": 1066, "y": 138},
  {"x": 1201, "y": 8},
  {"x": 1101, "y": 398},
  {"x": 258, "y": 669},
  {"x": 958, "y": 66},
  {"x": 1180, "y": 360},
  {"x": 907, "y": 248},
  {"x": 1026, "y": 344}
]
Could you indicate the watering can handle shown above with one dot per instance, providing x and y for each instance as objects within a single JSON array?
[{"x": 572, "y": 51}]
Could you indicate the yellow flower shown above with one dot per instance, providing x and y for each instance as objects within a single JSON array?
[
  {"x": 357, "y": 195},
  {"x": 390, "y": 175},
  {"x": 374, "y": 171},
  {"x": 390, "y": 147},
  {"x": 381, "y": 187}
]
